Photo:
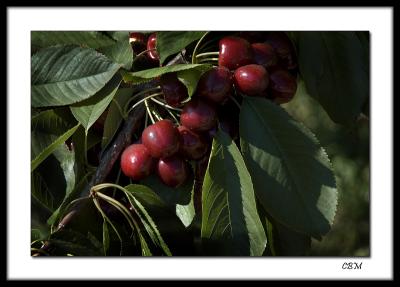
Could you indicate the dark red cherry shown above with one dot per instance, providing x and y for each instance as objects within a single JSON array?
[
  {"x": 215, "y": 84},
  {"x": 162, "y": 139},
  {"x": 251, "y": 80},
  {"x": 151, "y": 45},
  {"x": 173, "y": 171},
  {"x": 193, "y": 145},
  {"x": 198, "y": 115},
  {"x": 264, "y": 55},
  {"x": 234, "y": 52},
  {"x": 283, "y": 48},
  {"x": 136, "y": 161},
  {"x": 174, "y": 90},
  {"x": 283, "y": 86},
  {"x": 138, "y": 42}
]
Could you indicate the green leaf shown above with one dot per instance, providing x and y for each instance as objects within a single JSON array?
[
  {"x": 230, "y": 222},
  {"x": 41, "y": 192},
  {"x": 291, "y": 172},
  {"x": 66, "y": 159},
  {"x": 37, "y": 234},
  {"x": 49, "y": 130},
  {"x": 169, "y": 43},
  {"x": 90, "y": 39},
  {"x": 147, "y": 75},
  {"x": 186, "y": 212},
  {"x": 118, "y": 35},
  {"x": 69, "y": 197},
  {"x": 150, "y": 226},
  {"x": 190, "y": 78},
  {"x": 114, "y": 116},
  {"x": 333, "y": 66},
  {"x": 178, "y": 239},
  {"x": 88, "y": 111},
  {"x": 63, "y": 75},
  {"x": 169, "y": 195},
  {"x": 120, "y": 52}
]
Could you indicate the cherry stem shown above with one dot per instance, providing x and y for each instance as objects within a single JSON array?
[
  {"x": 143, "y": 100},
  {"x": 142, "y": 53},
  {"x": 156, "y": 115},
  {"x": 207, "y": 54},
  {"x": 166, "y": 105},
  {"x": 148, "y": 111},
  {"x": 235, "y": 101},
  {"x": 140, "y": 94},
  {"x": 208, "y": 60},
  {"x": 197, "y": 47}
]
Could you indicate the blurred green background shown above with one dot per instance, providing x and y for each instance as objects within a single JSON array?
[{"x": 348, "y": 150}]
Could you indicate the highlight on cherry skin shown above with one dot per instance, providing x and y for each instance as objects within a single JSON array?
[
  {"x": 136, "y": 162},
  {"x": 161, "y": 138},
  {"x": 251, "y": 80},
  {"x": 151, "y": 45}
]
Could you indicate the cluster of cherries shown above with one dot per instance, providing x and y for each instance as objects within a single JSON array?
[{"x": 255, "y": 64}]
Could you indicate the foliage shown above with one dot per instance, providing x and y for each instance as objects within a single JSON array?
[{"x": 271, "y": 192}]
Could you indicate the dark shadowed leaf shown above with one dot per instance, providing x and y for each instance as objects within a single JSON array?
[
  {"x": 230, "y": 222},
  {"x": 49, "y": 130},
  {"x": 335, "y": 68},
  {"x": 90, "y": 39},
  {"x": 114, "y": 115},
  {"x": 291, "y": 172}
]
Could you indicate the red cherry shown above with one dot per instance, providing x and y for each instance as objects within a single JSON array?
[
  {"x": 173, "y": 171},
  {"x": 136, "y": 161},
  {"x": 193, "y": 145},
  {"x": 215, "y": 84},
  {"x": 198, "y": 115},
  {"x": 234, "y": 52},
  {"x": 162, "y": 139},
  {"x": 151, "y": 45},
  {"x": 264, "y": 55},
  {"x": 251, "y": 80},
  {"x": 138, "y": 42},
  {"x": 282, "y": 86},
  {"x": 174, "y": 90},
  {"x": 283, "y": 47}
]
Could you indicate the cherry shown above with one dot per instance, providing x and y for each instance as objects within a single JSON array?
[
  {"x": 234, "y": 52},
  {"x": 251, "y": 80},
  {"x": 138, "y": 42},
  {"x": 151, "y": 44},
  {"x": 282, "y": 86},
  {"x": 264, "y": 55},
  {"x": 198, "y": 115},
  {"x": 162, "y": 139},
  {"x": 172, "y": 171},
  {"x": 283, "y": 47},
  {"x": 136, "y": 161},
  {"x": 174, "y": 90},
  {"x": 193, "y": 146},
  {"x": 215, "y": 84}
]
